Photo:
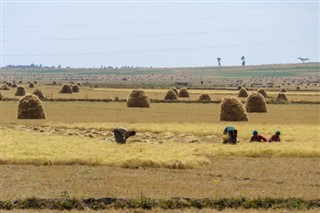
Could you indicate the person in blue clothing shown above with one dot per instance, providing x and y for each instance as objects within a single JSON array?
[{"x": 230, "y": 135}]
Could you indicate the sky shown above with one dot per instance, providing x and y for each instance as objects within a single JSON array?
[{"x": 158, "y": 34}]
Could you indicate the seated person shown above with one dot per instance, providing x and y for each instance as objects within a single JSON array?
[
  {"x": 257, "y": 137},
  {"x": 121, "y": 135},
  {"x": 231, "y": 135},
  {"x": 275, "y": 137}
]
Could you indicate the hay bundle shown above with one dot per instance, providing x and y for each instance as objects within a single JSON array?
[
  {"x": 175, "y": 90},
  {"x": 138, "y": 98},
  {"x": 281, "y": 97},
  {"x": 263, "y": 92},
  {"x": 204, "y": 97},
  {"x": 239, "y": 87},
  {"x": 283, "y": 90},
  {"x": 183, "y": 93},
  {"x": 39, "y": 93},
  {"x": 256, "y": 103},
  {"x": 9, "y": 84},
  {"x": 20, "y": 82},
  {"x": 79, "y": 84},
  {"x": 20, "y": 91},
  {"x": 54, "y": 83},
  {"x": 75, "y": 88},
  {"x": 232, "y": 110},
  {"x": 298, "y": 88},
  {"x": 243, "y": 93},
  {"x": 31, "y": 85},
  {"x": 30, "y": 107},
  {"x": 5, "y": 87},
  {"x": 171, "y": 96},
  {"x": 66, "y": 88},
  {"x": 14, "y": 85}
]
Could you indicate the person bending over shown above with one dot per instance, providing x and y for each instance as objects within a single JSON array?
[
  {"x": 257, "y": 137},
  {"x": 231, "y": 135},
  {"x": 275, "y": 137}
]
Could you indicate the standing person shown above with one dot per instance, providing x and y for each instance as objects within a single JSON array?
[
  {"x": 257, "y": 137},
  {"x": 231, "y": 135},
  {"x": 121, "y": 135},
  {"x": 275, "y": 137}
]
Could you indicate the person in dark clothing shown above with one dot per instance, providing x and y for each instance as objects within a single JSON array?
[
  {"x": 257, "y": 137},
  {"x": 275, "y": 137},
  {"x": 121, "y": 135},
  {"x": 231, "y": 135}
]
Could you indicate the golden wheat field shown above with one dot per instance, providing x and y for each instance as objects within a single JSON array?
[{"x": 177, "y": 151}]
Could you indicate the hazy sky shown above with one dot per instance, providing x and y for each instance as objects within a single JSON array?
[{"x": 91, "y": 34}]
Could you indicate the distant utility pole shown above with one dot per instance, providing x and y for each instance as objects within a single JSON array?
[
  {"x": 243, "y": 60},
  {"x": 303, "y": 59},
  {"x": 219, "y": 60}
]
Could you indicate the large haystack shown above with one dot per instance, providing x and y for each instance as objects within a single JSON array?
[
  {"x": 30, "y": 107},
  {"x": 171, "y": 96},
  {"x": 243, "y": 93},
  {"x": 5, "y": 87},
  {"x": 232, "y": 110},
  {"x": 263, "y": 92},
  {"x": 31, "y": 85},
  {"x": 20, "y": 91},
  {"x": 283, "y": 90},
  {"x": 66, "y": 88},
  {"x": 39, "y": 93},
  {"x": 256, "y": 103},
  {"x": 204, "y": 97},
  {"x": 75, "y": 88},
  {"x": 138, "y": 98},
  {"x": 281, "y": 97},
  {"x": 183, "y": 93},
  {"x": 175, "y": 90}
]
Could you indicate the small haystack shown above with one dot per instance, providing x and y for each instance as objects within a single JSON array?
[
  {"x": 232, "y": 110},
  {"x": 79, "y": 84},
  {"x": 243, "y": 93},
  {"x": 66, "y": 88},
  {"x": 204, "y": 97},
  {"x": 298, "y": 88},
  {"x": 171, "y": 96},
  {"x": 39, "y": 93},
  {"x": 14, "y": 85},
  {"x": 5, "y": 87},
  {"x": 256, "y": 103},
  {"x": 263, "y": 92},
  {"x": 31, "y": 85},
  {"x": 54, "y": 83},
  {"x": 239, "y": 87},
  {"x": 138, "y": 98},
  {"x": 20, "y": 82},
  {"x": 283, "y": 90},
  {"x": 20, "y": 91},
  {"x": 75, "y": 88},
  {"x": 175, "y": 90},
  {"x": 183, "y": 93},
  {"x": 282, "y": 97},
  {"x": 30, "y": 107}
]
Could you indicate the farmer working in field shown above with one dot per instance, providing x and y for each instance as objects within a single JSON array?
[
  {"x": 257, "y": 137},
  {"x": 121, "y": 135},
  {"x": 275, "y": 137},
  {"x": 231, "y": 135}
]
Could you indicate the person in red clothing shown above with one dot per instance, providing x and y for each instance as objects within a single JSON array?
[
  {"x": 257, "y": 137},
  {"x": 275, "y": 137}
]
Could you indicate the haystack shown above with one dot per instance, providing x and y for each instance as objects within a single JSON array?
[
  {"x": 298, "y": 88},
  {"x": 263, "y": 92},
  {"x": 14, "y": 85},
  {"x": 31, "y": 85},
  {"x": 66, "y": 88},
  {"x": 256, "y": 103},
  {"x": 281, "y": 97},
  {"x": 5, "y": 87},
  {"x": 232, "y": 110},
  {"x": 54, "y": 83},
  {"x": 79, "y": 84},
  {"x": 9, "y": 84},
  {"x": 204, "y": 97},
  {"x": 175, "y": 90},
  {"x": 39, "y": 93},
  {"x": 30, "y": 107},
  {"x": 243, "y": 93},
  {"x": 171, "y": 96},
  {"x": 20, "y": 91},
  {"x": 138, "y": 98},
  {"x": 183, "y": 93},
  {"x": 283, "y": 90},
  {"x": 75, "y": 88}
]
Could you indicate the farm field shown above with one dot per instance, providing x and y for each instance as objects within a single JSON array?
[{"x": 176, "y": 153}]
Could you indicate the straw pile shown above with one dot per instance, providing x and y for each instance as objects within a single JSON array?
[
  {"x": 183, "y": 93},
  {"x": 171, "y": 96},
  {"x": 231, "y": 109},
  {"x": 256, "y": 103},
  {"x": 138, "y": 98},
  {"x": 30, "y": 107}
]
